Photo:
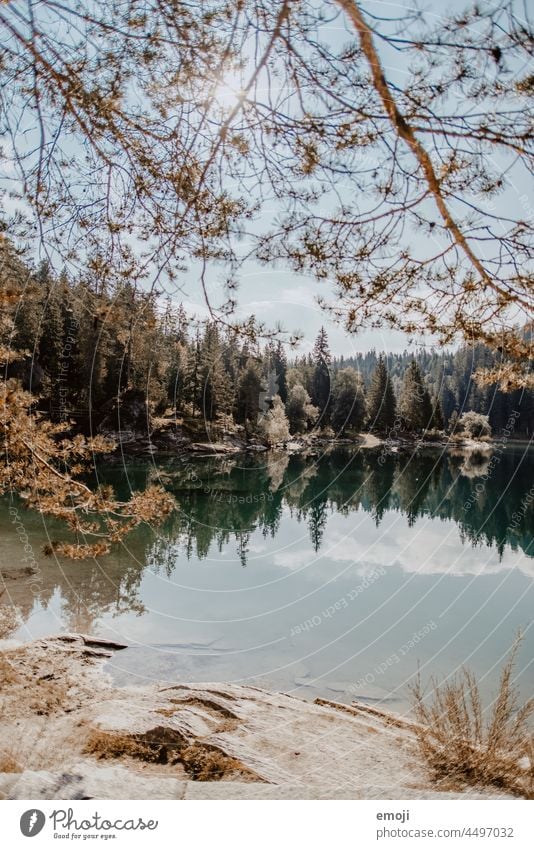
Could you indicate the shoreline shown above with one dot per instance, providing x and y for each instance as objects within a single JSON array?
[
  {"x": 166, "y": 442},
  {"x": 67, "y": 732}
]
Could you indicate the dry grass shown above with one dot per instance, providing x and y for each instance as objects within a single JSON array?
[
  {"x": 8, "y": 619},
  {"x": 8, "y": 674},
  {"x": 204, "y": 763},
  {"x": 163, "y": 746},
  {"x": 462, "y": 744},
  {"x": 8, "y": 763},
  {"x": 104, "y": 744}
]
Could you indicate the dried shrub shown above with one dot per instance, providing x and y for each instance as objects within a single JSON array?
[
  {"x": 8, "y": 620},
  {"x": 8, "y": 763},
  {"x": 204, "y": 763},
  {"x": 8, "y": 674},
  {"x": 460, "y": 743},
  {"x": 105, "y": 745},
  {"x": 165, "y": 746}
]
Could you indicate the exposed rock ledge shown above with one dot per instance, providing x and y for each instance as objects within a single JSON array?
[{"x": 66, "y": 733}]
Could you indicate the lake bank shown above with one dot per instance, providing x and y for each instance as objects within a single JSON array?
[
  {"x": 171, "y": 438},
  {"x": 67, "y": 732}
]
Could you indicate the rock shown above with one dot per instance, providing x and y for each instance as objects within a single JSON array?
[
  {"x": 129, "y": 412},
  {"x": 84, "y": 780},
  {"x": 213, "y": 448},
  {"x": 72, "y": 735}
]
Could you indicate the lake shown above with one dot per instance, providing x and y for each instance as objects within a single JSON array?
[{"x": 339, "y": 574}]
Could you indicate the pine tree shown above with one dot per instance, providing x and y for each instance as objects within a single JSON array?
[
  {"x": 452, "y": 425},
  {"x": 348, "y": 401},
  {"x": 51, "y": 344},
  {"x": 437, "y": 414},
  {"x": 448, "y": 400},
  {"x": 248, "y": 393},
  {"x": 214, "y": 385},
  {"x": 415, "y": 407},
  {"x": 192, "y": 375},
  {"x": 381, "y": 403},
  {"x": 280, "y": 367},
  {"x": 317, "y": 520},
  {"x": 320, "y": 384}
]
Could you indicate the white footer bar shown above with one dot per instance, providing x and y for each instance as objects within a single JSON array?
[{"x": 269, "y": 824}]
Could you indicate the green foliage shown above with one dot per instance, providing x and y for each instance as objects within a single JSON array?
[
  {"x": 348, "y": 401},
  {"x": 415, "y": 407},
  {"x": 320, "y": 384},
  {"x": 215, "y": 394},
  {"x": 248, "y": 392},
  {"x": 381, "y": 404},
  {"x": 280, "y": 366}
]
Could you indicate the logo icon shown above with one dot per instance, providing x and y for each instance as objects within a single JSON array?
[{"x": 32, "y": 822}]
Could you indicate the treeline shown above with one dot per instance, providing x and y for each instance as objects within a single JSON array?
[
  {"x": 448, "y": 375},
  {"x": 109, "y": 358}
]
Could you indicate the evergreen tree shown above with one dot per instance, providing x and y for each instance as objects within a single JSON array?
[
  {"x": 193, "y": 375},
  {"x": 248, "y": 393},
  {"x": 51, "y": 343},
  {"x": 280, "y": 367},
  {"x": 214, "y": 387},
  {"x": 437, "y": 415},
  {"x": 320, "y": 384},
  {"x": 317, "y": 520},
  {"x": 415, "y": 406},
  {"x": 452, "y": 425},
  {"x": 348, "y": 401},
  {"x": 381, "y": 403},
  {"x": 448, "y": 400}
]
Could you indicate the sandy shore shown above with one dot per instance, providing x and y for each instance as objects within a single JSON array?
[{"x": 67, "y": 733}]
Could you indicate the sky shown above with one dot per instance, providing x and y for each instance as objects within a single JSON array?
[{"x": 282, "y": 296}]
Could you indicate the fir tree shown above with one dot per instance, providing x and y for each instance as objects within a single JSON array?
[
  {"x": 51, "y": 344},
  {"x": 280, "y": 367},
  {"x": 437, "y": 415},
  {"x": 248, "y": 393},
  {"x": 348, "y": 401},
  {"x": 453, "y": 422},
  {"x": 320, "y": 384},
  {"x": 214, "y": 385},
  {"x": 381, "y": 403},
  {"x": 415, "y": 406},
  {"x": 192, "y": 375},
  {"x": 317, "y": 521}
]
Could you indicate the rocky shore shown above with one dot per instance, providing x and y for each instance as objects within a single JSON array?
[
  {"x": 175, "y": 440},
  {"x": 67, "y": 733}
]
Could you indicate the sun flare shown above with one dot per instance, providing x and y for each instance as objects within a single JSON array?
[{"x": 228, "y": 92}]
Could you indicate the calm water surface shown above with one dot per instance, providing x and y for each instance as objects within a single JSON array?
[{"x": 337, "y": 575}]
